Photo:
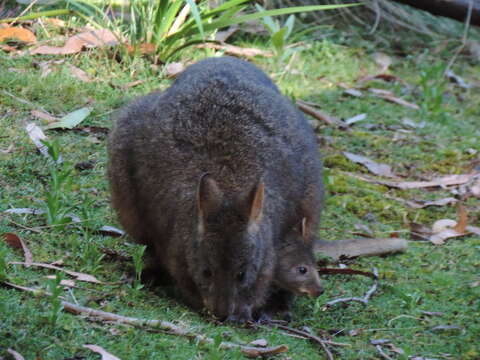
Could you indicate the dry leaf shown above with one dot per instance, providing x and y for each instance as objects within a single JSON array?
[
  {"x": 15, "y": 354},
  {"x": 317, "y": 114},
  {"x": 383, "y": 60},
  {"x": 78, "y": 275},
  {"x": 237, "y": 50},
  {"x": 63, "y": 282},
  {"x": 132, "y": 84},
  {"x": 75, "y": 44},
  {"x": 353, "y": 92},
  {"x": 17, "y": 34},
  {"x": 462, "y": 219},
  {"x": 355, "y": 119},
  {"x": 29, "y": 211},
  {"x": 15, "y": 241},
  {"x": 36, "y": 135},
  {"x": 390, "y": 96},
  {"x": 413, "y": 124},
  {"x": 173, "y": 69},
  {"x": 143, "y": 49},
  {"x": 420, "y": 204},
  {"x": 54, "y": 21},
  {"x": 79, "y": 73},
  {"x": 44, "y": 116},
  {"x": 7, "y": 150},
  {"x": 99, "y": 350},
  {"x": 457, "y": 80},
  {"x": 111, "y": 231},
  {"x": 448, "y": 180},
  {"x": 445, "y": 229},
  {"x": 222, "y": 36},
  {"x": 375, "y": 168},
  {"x": 420, "y": 231},
  {"x": 259, "y": 343}
]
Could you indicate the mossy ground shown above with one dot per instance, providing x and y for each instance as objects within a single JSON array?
[{"x": 425, "y": 278}]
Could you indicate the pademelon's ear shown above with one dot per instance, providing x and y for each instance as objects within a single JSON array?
[
  {"x": 256, "y": 198},
  {"x": 305, "y": 231},
  {"x": 209, "y": 197}
]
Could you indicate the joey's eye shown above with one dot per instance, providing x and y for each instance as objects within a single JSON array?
[
  {"x": 207, "y": 273},
  {"x": 302, "y": 270},
  {"x": 240, "y": 276}
]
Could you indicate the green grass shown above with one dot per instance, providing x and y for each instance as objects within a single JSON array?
[{"x": 425, "y": 278}]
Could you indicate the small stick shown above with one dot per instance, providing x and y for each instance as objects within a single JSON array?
[
  {"x": 319, "y": 115},
  {"x": 307, "y": 335},
  {"x": 363, "y": 300},
  {"x": 382, "y": 354},
  {"x": 330, "y": 271}
]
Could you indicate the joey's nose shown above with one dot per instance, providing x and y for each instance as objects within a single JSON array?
[{"x": 313, "y": 291}]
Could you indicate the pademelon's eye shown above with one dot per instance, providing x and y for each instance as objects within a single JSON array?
[
  {"x": 302, "y": 270},
  {"x": 240, "y": 276},
  {"x": 207, "y": 273}
]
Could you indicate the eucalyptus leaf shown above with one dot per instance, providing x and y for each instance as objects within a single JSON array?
[{"x": 72, "y": 119}]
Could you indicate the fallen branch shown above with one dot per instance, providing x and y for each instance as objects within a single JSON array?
[
  {"x": 363, "y": 300},
  {"x": 319, "y": 115},
  {"x": 169, "y": 327},
  {"x": 330, "y": 271}
]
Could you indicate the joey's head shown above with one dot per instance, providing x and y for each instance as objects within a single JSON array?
[
  {"x": 229, "y": 251},
  {"x": 296, "y": 267}
]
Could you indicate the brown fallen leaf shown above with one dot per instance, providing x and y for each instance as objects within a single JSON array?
[
  {"x": 143, "y": 49},
  {"x": 132, "y": 84},
  {"x": 44, "y": 116},
  {"x": 390, "y": 96},
  {"x": 54, "y": 21},
  {"x": 462, "y": 221},
  {"x": 420, "y": 231},
  {"x": 99, "y": 350},
  {"x": 307, "y": 108},
  {"x": 75, "y": 44},
  {"x": 381, "y": 76},
  {"x": 79, "y": 73},
  {"x": 236, "y": 50},
  {"x": 16, "y": 355},
  {"x": 17, "y": 34},
  {"x": 374, "y": 167},
  {"x": 173, "y": 69},
  {"x": 16, "y": 242},
  {"x": 78, "y": 275},
  {"x": 443, "y": 181}
]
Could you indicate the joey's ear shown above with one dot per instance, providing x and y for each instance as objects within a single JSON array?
[
  {"x": 256, "y": 198},
  {"x": 209, "y": 196}
]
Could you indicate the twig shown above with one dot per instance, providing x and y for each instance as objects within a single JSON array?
[
  {"x": 464, "y": 38},
  {"x": 363, "y": 300},
  {"x": 319, "y": 115},
  {"x": 330, "y": 271},
  {"x": 306, "y": 335},
  {"x": 382, "y": 354},
  {"x": 167, "y": 326}
]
